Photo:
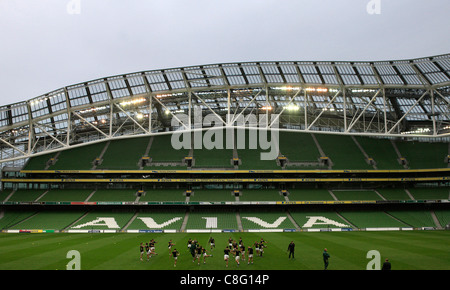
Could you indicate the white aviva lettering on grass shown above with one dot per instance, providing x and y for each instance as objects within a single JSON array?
[
  {"x": 150, "y": 222},
  {"x": 265, "y": 224},
  {"x": 109, "y": 222},
  {"x": 211, "y": 222},
  {"x": 320, "y": 220}
]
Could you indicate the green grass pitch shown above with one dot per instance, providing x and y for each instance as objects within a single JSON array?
[{"x": 407, "y": 250}]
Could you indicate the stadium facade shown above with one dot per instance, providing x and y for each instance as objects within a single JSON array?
[
  {"x": 402, "y": 98},
  {"x": 361, "y": 145}
]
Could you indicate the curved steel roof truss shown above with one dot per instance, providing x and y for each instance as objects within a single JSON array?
[{"x": 405, "y": 98}]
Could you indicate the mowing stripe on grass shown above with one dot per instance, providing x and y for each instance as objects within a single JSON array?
[{"x": 348, "y": 250}]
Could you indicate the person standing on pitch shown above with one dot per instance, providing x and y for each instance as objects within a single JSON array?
[
  {"x": 198, "y": 254},
  {"x": 226, "y": 255},
  {"x": 326, "y": 256},
  {"x": 237, "y": 256},
  {"x": 250, "y": 255},
  {"x": 291, "y": 249},
  {"x": 205, "y": 255},
  {"x": 175, "y": 255},
  {"x": 192, "y": 248},
  {"x": 212, "y": 243},
  {"x": 141, "y": 249},
  {"x": 386, "y": 265}
]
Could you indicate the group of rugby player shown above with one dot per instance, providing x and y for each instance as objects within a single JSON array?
[
  {"x": 148, "y": 248},
  {"x": 238, "y": 250},
  {"x": 198, "y": 252},
  {"x": 234, "y": 247}
]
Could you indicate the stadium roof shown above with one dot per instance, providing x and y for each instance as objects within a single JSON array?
[{"x": 383, "y": 98}]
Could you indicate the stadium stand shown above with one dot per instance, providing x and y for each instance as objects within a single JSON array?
[
  {"x": 371, "y": 219},
  {"x": 430, "y": 192},
  {"x": 102, "y": 220},
  {"x": 26, "y": 195},
  {"x": 421, "y": 155},
  {"x": 124, "y": 154},
  {"x": 342, "y": 151},
  {"x": 157, "y": 219},
  {"x": 394, "y": 193},
  {"x": 260, "y": 195},
  {"x": 163, "y": 195},
  {"x": 39, "y": 162},
  {"x": 209, "y": 220},
  {"x": 113, "y": 195},
  {"x": 212, "y": 195},
  {"x": 65, "y": 195},
  {"x": 309, "y": 194},
  {"x": 443, "y": 216},
  {"x": 300, "y": 151},
  {"x": 416, "y": 219},
  {"x": 363, "y": 161},
  {"x": 81, "y": 158},
  {"x": 356, "y": 195},
  {"x": 163, "y": 156},
  {"x": 254, "y": 219},
  {"x": 301, "y": 218},
  {"x": 220, "y": 157},
  {"x": 47, "y": 220},
  {"x": 381, "y": 151}
]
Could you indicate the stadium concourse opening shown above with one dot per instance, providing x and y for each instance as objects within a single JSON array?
[{"x": 360, "y": 146}]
